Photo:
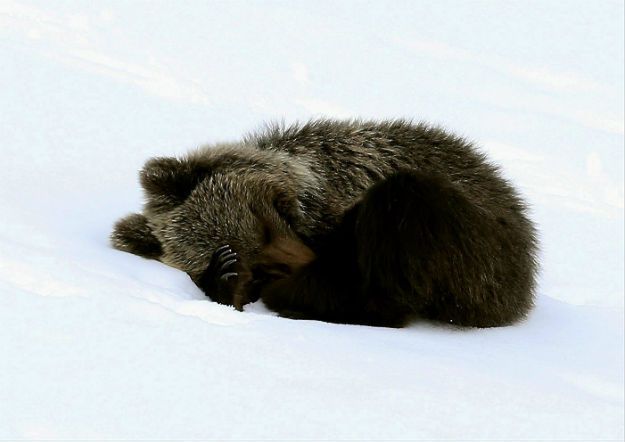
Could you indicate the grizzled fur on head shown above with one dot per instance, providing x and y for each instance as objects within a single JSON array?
[
  {"x": 227, "y": 194},
  {"x": 346, "y": 221}
]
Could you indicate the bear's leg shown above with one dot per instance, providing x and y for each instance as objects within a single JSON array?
[
  {"x": 330, "y": 288},
  {"x": 403, "y": 231},
  {"x": 425, "y": 249},
  {"x": 230, "y": 279},
  {"x": 325, "y": 289},
  {"x": 226, "y": 279},
  {"x": 133, "y": 234},
  {"x": 169, "y": 181},
  {"x": 415, "y": 245}
]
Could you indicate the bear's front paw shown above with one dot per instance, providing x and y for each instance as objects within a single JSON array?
[{"x": 226, "y": 279}]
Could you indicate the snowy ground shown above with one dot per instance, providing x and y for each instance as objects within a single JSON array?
[{"x": 99, "y": 344}]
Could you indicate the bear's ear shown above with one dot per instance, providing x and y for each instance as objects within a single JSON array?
[{"x": 169, "y": 181}]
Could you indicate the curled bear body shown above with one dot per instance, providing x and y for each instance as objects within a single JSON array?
[{"x": 360, "y": 222}]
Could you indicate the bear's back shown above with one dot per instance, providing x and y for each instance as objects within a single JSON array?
[{"x": 348, "y": 157}]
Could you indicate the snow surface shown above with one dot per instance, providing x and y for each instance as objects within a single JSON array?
[{"x": 99, "y": 344}]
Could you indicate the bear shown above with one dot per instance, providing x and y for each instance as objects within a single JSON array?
[{"x": 346, "y": 221}]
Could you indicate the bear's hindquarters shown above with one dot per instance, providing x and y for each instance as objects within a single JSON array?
[
  {"x": 415, "y": 246},
  {"x": 425, "y": 249}
]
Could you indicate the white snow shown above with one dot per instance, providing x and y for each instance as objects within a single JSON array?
[{"x": 99, "y": 344}]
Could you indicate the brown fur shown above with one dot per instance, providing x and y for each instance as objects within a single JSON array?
[{"x": 344, "y": 221}]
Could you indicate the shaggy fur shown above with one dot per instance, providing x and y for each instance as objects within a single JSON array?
[{"x": 353, "y": 222}]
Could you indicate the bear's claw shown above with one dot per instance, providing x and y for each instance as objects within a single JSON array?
[{"x": 225, "y": 278}]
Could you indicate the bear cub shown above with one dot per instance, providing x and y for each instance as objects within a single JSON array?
[{"x": 358, "y": 222}]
